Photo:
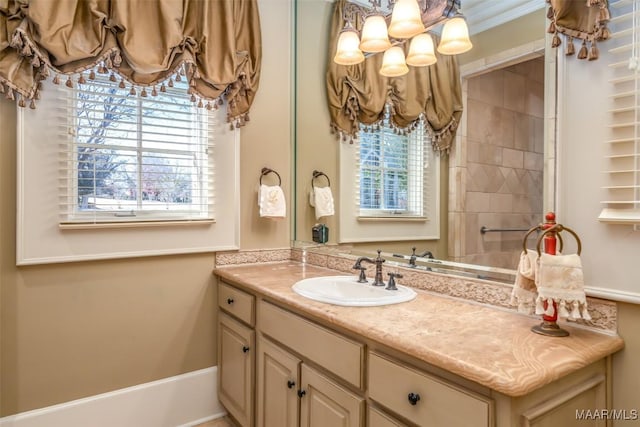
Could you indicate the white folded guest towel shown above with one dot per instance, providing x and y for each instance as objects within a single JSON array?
[
  {"x": 559, "y": 279},
  {"x": 322, "y": 200},
  {"x": 524, "y": 291},
  {"x": 271, "y": 201}
]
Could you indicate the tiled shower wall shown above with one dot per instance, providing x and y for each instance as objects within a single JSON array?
[{"x": 504, "y": 161}]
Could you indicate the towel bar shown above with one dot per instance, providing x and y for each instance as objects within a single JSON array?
[
  {"x": 485, "y": 229},
  {"x": 317, "y": 174},
  {"x": 266, "y": 171}
]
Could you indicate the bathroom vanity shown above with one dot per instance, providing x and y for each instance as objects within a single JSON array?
[{"x": 285, "y": 360}]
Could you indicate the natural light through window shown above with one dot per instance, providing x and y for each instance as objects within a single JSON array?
[
  {"x": 136, "y": 157},
  {"x": 392, "y": 178}
]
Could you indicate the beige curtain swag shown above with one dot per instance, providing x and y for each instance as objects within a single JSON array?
[
  {"x": 357, "y": 94},
  {"x": 584, "y": 20},
  {"x": 215, "y": 45}
]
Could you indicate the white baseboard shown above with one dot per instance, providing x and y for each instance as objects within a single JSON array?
[{"x": 183, "y": 400}]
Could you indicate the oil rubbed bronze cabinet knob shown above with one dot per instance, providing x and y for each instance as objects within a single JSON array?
[
  {"x": 301, "y": 393},
  {"x": 245, "y": 349},
  {"x": 229, "y": 301},
  {"x": 413, "y": 398},
  {"x": 291, "y": 384}
]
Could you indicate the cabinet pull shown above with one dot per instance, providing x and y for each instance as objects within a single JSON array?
[
  {"x": 301, "y": 393},
  {"x": 413, "y": 398},
  {"x": 291, "y": 384},
  {"x": 245, "y": 349},
  {"x": 229, "y": 301}
]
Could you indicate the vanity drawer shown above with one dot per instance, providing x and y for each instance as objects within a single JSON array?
[
  {"x": 236, "y": 302},
  {"x": 333, "y": 352},
  {"x": 439, "y": 404}
]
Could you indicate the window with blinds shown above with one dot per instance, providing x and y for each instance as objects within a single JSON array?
[
  {"x": 392, "y": 177},
  {"x": 133, "y": 157},
  {"x": 623, "y": 158}
]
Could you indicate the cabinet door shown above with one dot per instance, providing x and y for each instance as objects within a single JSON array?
[
  {"x": 324, "y": 403},
  {"x": 235, "y": 365},
  {"x": 278, "y": 382},
  {"x": 378, "y": 419}
]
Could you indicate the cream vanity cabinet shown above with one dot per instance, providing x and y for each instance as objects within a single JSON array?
[
  {"x": 284, "y": 379},
  {"x": 236, "y": 353},
  {"x": 279, "y": 369}
]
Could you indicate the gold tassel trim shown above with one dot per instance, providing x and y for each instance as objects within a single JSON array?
[
  {"x": 583, "y": 50},
  {"x": 571, "y": 49},
  {"x": 593, "y": 52}
]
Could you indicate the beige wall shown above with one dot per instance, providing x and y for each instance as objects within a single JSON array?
[
  {"x": 73, "y": 330},
  {"x": 520, "y": 31}
]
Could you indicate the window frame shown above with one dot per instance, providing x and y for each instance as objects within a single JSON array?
[
  {"x": 355, "y": 227},
  {"x": 40, "y": 239},
  {"x": 415, "y": 197},
  {"x": 76, "y": 216}
]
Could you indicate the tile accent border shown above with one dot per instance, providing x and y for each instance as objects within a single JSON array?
[
  {"x": 252, "y": 256},
  {"x": 604, "y": 313}
]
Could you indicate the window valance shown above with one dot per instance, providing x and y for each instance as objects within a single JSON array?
[
  {"x": 585, "y": 20},
  {"x": 357, "y": 94},
  {"x": 146, "y": 45}
]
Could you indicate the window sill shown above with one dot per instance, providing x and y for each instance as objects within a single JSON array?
[
  {"x": 395, "y": 218},
  {"x": 135, "y": 224}
]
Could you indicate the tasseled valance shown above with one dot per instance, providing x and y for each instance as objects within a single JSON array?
[
  {"x": 357, "y": 94},
  {"x": 584, "y": 20},
  {"x": 215, "y": 45}
]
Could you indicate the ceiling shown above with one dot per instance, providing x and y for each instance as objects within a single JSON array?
[{"x": 484, "y": 14}]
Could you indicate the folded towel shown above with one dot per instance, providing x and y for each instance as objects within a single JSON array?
[
  {"x": 271, "y": 201},
  {"x": 559, "y": 279},
  {"x": 322, "y": 199},
  {"x": 524, "y": 291}
]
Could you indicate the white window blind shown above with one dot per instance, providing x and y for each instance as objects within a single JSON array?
[
  {"x": 393, "y": 177},
  {"x": 623, "y": 158},
  {"x": 130, "y": 156}
]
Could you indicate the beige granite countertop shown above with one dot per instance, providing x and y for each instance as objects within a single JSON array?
[{"x": 490, "y": 346}]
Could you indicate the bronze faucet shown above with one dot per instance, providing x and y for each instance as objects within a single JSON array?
[{"x": 377, "y": 281}]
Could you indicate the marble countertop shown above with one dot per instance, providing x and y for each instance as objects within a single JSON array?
[{"x": 484, "y": 344}]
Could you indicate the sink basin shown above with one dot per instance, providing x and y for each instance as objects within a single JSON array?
[{"x": 345, "y": 290}]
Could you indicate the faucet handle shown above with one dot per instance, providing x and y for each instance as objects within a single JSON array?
[
  {"x": 362, "y": 278},
  {"x": 392, "y": 281}
]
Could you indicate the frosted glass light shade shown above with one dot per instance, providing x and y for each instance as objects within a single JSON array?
[
  {"x": 455, "y": 37},
  {"x": 393, "y": 64},
  {"x": 374, "y": 35},
  {"x": 421, "y": 51},
  {"x": 406, "y": 19},
  {"x": 348, "y": 52}
]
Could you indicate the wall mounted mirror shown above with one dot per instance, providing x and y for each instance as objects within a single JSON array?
[{"x": 497, "y": 181}]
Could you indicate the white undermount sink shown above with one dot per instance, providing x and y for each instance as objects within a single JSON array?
[{"x": 345, "y": 290}]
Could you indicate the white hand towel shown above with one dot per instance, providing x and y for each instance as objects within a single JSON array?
[
  {"x": 524, "y": 289},
  {"x": 322, "y": 199},
  {"x": 560, "y": 280},
  {"x": 271, "y": 201}
]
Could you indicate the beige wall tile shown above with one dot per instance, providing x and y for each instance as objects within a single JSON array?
[
  {"x": 535, "y": 98},
  {"x": 533, "y": 161},
  {"x": 484, "y": 153},
  {"x": 471, "y": 233},
  {"x": 514, "y": 91},
  {"x": 488, "y": 88},
  {"x": 501, "y": 202},
  {"x": 478, "y": 202},
  {"x": 512, "y": 158}
]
